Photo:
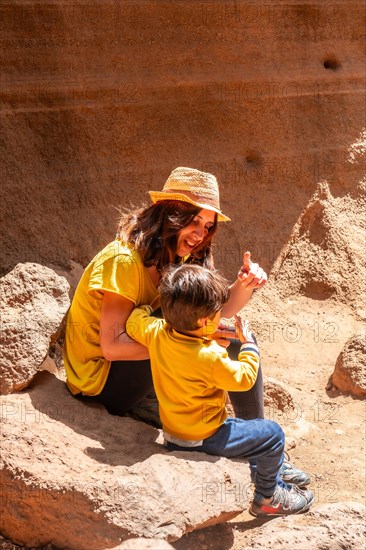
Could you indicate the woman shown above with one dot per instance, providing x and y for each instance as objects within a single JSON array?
[{"x": 102, "y": 363}]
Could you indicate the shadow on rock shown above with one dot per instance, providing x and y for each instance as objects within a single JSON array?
[{"x": 120, "y": 440}]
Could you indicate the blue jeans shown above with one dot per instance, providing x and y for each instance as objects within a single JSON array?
[{"x": 261, "y": 441}]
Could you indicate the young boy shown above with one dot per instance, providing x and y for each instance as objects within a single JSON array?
[{"x": 192, "y": 373}]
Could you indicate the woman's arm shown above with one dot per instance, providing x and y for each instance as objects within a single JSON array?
[
  {"x": 250, "y": 277},
  {"x": 115, "y": 343}
]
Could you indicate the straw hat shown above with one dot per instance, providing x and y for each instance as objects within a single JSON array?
[{"x": 193, "y": 186}]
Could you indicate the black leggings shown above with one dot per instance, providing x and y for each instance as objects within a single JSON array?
[
  {"x": 129, "y": 382},
  {"x": 247, "y": 404}
]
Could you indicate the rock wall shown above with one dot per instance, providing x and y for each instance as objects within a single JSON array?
[{"x": 100, "y": 100}]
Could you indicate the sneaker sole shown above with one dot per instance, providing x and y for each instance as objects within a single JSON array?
[{"x": 264, "y": 515}]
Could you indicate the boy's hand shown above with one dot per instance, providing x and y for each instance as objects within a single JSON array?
[
  {"x": 242, "y": 327},
  {"x": 226, "y": 330},
  {"x": 223, "y": 334}
]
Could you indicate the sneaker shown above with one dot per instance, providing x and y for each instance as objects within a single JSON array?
[
  {"x": 290, "y": 474},
  {"x": 284, "y": 502},
  {"x": 293, "y": 475}
]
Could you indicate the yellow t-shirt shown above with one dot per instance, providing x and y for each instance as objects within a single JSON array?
[
  {"x": 191, "y": 375},
  {"x": 117, "y": 268}
]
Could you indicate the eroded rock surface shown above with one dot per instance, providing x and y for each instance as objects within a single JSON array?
[
  {"x": 144, "y": 544},
  {"x": 277, "y": 396},
  {"x": 349, "y": 374},
  {"x": 34, "y": 299},
  {"x": 80, "y": 478},
  {"x": 85, "y": 129},
  {"x": 325, "y": 255},
  {"x": 338, "y": 526}
]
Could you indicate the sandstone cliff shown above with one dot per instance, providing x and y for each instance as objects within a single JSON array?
[{"x": 100, "y": 100}]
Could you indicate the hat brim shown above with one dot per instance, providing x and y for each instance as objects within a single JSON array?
[{"x": 157, "y": 196}]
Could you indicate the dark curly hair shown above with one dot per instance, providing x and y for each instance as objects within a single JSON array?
[{"x": 153, "y": 233}]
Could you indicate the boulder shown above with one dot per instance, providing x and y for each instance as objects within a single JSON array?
[
  {"x": 338, "y": 526},
  {"x": 34, "y": 302},
  {"x": 324, "y": 258},
  {"x": 6, "y": 544},
  {"x": 76, "y": 477},
  {"x": 144, "y": 544},
  {"x": 349, "y": 374},
  {"x": 276, "y": 396}
]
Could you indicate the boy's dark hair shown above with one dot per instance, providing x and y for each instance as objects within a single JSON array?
[{"x": 189, "y": 293}]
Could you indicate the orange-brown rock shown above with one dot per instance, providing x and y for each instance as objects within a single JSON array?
[
  {"x": 144, "y": 544},
  {"x": 349, "y": 374},
  {"x": 101, "y": 100},
  {"x": 34, "y": 301},
  {"x": 324, "y": 258},
  {"x": 276, "y": 396},
  {"x": 337, "y": 526},
  {"x": 81, "y": 479}
]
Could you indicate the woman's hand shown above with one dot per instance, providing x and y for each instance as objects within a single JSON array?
[{"x": 251, "y": 275}]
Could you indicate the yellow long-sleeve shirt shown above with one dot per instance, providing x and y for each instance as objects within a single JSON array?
[{"x": 191, "y": 375}]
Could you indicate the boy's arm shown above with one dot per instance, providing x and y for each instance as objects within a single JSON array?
[
  {"x": 140, "y": 323},
  {"x": 240, "y": 375},
  {"x": 236, "y": 375}
]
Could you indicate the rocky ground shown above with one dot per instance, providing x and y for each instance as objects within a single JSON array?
[
  {"x": 324, "y": 427},
  {"x": 306, "y": 318}
]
